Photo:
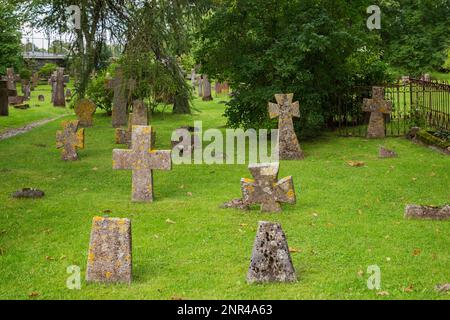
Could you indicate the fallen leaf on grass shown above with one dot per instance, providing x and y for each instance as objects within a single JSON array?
[
  {"x": 176, "y": 298},
  {"x": 48, "y": 258},
  {"x": 243, "y": 225},
  {"x": 382, "y": 293},
  {"x": 409, "y": 288},
  {"x": 293, "y": 250},
  {"x": 107, "y": 211},
  {"x": 189, "y": 194},
  {"x": 356, "y": 163},
  {"x": 34, "y": 294},
  {"x": 360, "y": 273},
  {"x": 170, "y": 221},
  {"x": 47, "y": 231},
  {"x": 416, "y": 252},
  {"x": 95, "y": 168}
]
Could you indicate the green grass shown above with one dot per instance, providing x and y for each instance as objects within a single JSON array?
[
  {"x": 38, "y": 111},
  {"x": 345, "y": 219}
]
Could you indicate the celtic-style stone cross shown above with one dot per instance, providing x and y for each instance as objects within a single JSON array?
[
  {"x": 69, "y": 139},
  {"x": 142, "y": 159},
  {"x": 284, "y": 109},
  {"x": 266, "y": 189},
  {"x": 378, "y": 107}
]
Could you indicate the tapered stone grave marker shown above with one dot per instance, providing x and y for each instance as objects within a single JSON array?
[
  {"x": 85, "y": 110},
  {"x": 377, "y": 107},
  {"x": 271, "y": 260},
  {"x": 110, "y": 253},
  {"x": 69, "y": 140}
]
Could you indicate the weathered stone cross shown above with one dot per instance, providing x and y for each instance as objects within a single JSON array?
[
  {"x": 266, "y": 189},
  {"x": 4, "y": 94},
  {"x": 378, "y": 107},
  {"x": 119, "y": 110},
  {"x": 142, "y": 159},
  {"x": 284, "y": 109},
  {"x": 69, "y": 139}
]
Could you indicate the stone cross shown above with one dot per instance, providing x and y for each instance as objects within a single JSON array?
[
  {"x": 85, "y": 110},
  {"x": 52, "y": 83},
  {"x": 59, "y": 99},
  {"x": 119, "y": 110},
  {"x": 271, "y": 260},
  {"x": 284, "y": 109},
  {"x": 5, "y": 93},
  {"x": 11, "y": 78},
  {"x": 110, "y": 252},
  {"x": 377, "y": 107},
  {"x": 266, "y": 189},
  {"x": 139, "y": 117},
  {"x": 26, "y": 89},
  {"x": 69, "y": 139},
  {"x": 142, "y": 159}
]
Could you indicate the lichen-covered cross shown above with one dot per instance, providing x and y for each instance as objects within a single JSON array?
[
  {"x": 69, "y": 139},
  {"x": 85, "y": 109},
  {"x": 265, "y": 189},
  {"x": 285, "y": 110},
  {"x": 142, "y": 159},
  {"x": 378, "y": 107}
]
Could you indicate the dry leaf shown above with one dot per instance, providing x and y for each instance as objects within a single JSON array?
[
  {"x": 356, "y": 163},
  {"x": 416, "y": 252},
  {"x": 382, "y": 293},
  {"x": 189, "y": 194},
  {"x": 182, "y": 186},
  {"x": 49, "y": 258},
  {"x": 95, "y": 168},
  {"x": 107, "y": 211},
  {"x": 414, "y": 179},
  {"x": 315, "y": 215},
  {"x": 170, "y": 221},
  {"x": 409, "y": 288},
  {"x": 33, "y": 294},
  {"x": 293, "y": 250},
  {"x": 176, "y": 298},
  {"x": 243, "y": 225},
  {"x": 360, "y": 273}
]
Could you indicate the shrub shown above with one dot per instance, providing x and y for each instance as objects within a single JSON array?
[
  {"x": 99, "y": 94},
  {"x": 47, "y": 70}
]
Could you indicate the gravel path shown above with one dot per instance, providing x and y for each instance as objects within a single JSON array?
[{"x": 17, "y": 131}]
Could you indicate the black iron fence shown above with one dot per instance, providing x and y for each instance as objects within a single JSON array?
[{"x": 414, "y": 103}]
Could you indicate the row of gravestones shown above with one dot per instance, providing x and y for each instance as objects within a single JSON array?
[
  {"x": 203, "y": 86},
  {"x": 110, "y": 253}
]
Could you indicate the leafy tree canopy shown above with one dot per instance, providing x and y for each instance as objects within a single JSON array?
[{"x": 10, "y": 48}]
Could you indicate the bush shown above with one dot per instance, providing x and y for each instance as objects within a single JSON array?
[
  {"x": 47, "y": 70},
  {"x": 99, "y": 94},
  {"x": 25, "y": 74}
]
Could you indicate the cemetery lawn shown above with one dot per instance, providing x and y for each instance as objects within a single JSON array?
[
  {"x": 346, "y": 219},
  {"x": 39, "y": 110}
]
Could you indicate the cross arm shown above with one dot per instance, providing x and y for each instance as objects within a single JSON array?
[
  {"x": 80, "y": 138},
  {"x": 248, "y": 190},
  {"x": 285, "y": 190},
  {"x": 296, "y": 109},
  {"x": 274, "y": 110},
  {"x": 160, "y": 159},
  {"x": 122, "y": 159}
]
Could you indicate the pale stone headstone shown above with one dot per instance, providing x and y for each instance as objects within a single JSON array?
[
  {"x": 85, "y": 109},
  {"x": 59, "y": 98},
  {"x": 265, "y": 189},
  {"x": 377, "y": 107},
  {"x": 427, "y": 212},
  {"x": 69, "y": 140},
  {"x": 207, "y": 96},
  {"x": 271, "y": 259},
  {"x": 285, "y": 110},
  {"x": 110, "y": 252},
  {"x": 142, "y": 159}
]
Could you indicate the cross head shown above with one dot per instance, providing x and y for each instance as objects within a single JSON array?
[
  {"x": 266, "y": 189},
  {"x": 69, "y": 140},
  {"x": 377, "y": 107}
]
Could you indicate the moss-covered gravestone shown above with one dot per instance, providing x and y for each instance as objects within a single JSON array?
[
  {"x": 142, "y": 159},
  {"x": 110, "y": 253},
  {"x": 59, "y": 99},
  {"x": 271, "y": 260},
  {"x": 377, "y": 107},
  {"x": 285, "y": 110},
  {"x": 265, "y": 189},
  {"x": 85, "y": 110},
  {"x": 69, "y": 140}
]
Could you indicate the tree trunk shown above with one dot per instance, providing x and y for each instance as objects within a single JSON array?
[{"x": 206, "y": 89}]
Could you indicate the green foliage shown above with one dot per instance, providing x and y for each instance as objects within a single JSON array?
[
  {"x": 47, "y": 70},
  {"x": 446, "y": 65},
  {"x": 430, "y": 137},
  {"x": 99, "y": 94},
  {"x": 25, "y": 74},
  {"x": 10, "y": 46},
  {"x": 416, "y": 33},
  {"x": 317, "y": 50}
]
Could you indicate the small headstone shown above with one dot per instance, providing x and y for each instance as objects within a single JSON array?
[
  {"x": 69, "y": 140},
  {"x": 41, "y": 98},
  {"x": 85, "y": 109},
  {"x": 285, "y": 110},
  {"x": 22, "y": 106},
  {"x": 271, "y": 260},
  {"x": 110, "y": 253},
  {"x": 427, "y": 212},
  {"x": 386, "y": 153},
  {"x": 28, "y": 193},
  {"x": 235, "y": 204},
  {"x": 142, "y": 159},
  {"x": 265, "y": 189},
  {"x": 377, "y": 107}
]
